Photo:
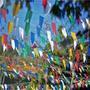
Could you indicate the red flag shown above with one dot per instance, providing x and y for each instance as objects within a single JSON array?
[
  {"x": 44, "y": 3},
  {"x": 3, "y": 11},
  {"x": 54, "y": 27},
  {"x": 77, "y": 55}
]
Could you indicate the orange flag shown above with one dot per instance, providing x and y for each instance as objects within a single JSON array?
[{"x": 10, "y": 27}]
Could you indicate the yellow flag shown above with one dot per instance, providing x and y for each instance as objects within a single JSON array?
[
  {"x": 70, "y": 52},
  {"x": 16, "y": 9},
  {"x": 36, "y": 52},
  {"x": 10, "y": 27},
  {"x": 64, "y": 63},
  {"x": 2, "y": 39},
  {"x": 81, "y": 46},
  {"x": 73, "y": 34}
]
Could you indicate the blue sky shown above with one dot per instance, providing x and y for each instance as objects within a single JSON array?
[{"x": 37, "y": 10}]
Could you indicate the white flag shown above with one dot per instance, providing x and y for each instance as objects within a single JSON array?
[
  {"x": 49, "y": 35},
  {"x": 83, "y": 24},
  {"x": 84, "y": 57},
  {"x": 64, "y": 32},
  {"x": 75, "y": 44},
  {"x": 13, "y": 44},
  {"x": 21, "y": 32},
  {"x": 4, "y": 48}
]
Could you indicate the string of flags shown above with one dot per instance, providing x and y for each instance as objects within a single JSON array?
[{"x": 44, "y": 51}]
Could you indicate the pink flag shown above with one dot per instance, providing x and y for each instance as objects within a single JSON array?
[{"x": 54, "y": 27}]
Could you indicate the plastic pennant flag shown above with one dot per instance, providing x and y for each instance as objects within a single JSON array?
[
  {"x": 4, "y": 39},
  {"x": 81, "y": 46},
  {"x": 72, "y": 19},
  {"x": 4, "y": 47},
  {"x": 28, "y": 16},
  {"x": 44, "y": 3},
  {"x": 70, "y": 52},
  {"x": 38, "y": 31},
  {"x": 54, "y": 27},
  {"x": 75, "y": 44},
  {"x": 73, "y": 34},
  {"x": 16, "y": 43},
  {"x": 84, "y": 57},
  {"x": 21, "y": 32},
  {"x": 64, "y": 32},
  {"x": 64, "y": 63},
  {"x": 41, "y": 20},
  {"x": 52, "y": 45},
  {"x": 36, "y": 52},
  {"x": 32, "y": 37},
  {"x": 1, "y": 3},
  {"x": 10, "y": 27},
  {"x": 88, "y": 50},
  {"x": 41, "y": 53},
  {"x": 57, "y": 60},
  {"x": 77, "y": 55},
  {"x": 71, "y": 65},
  {"x": 16, "y": 8},
  {"x": 83, "y": 24},
  {"x": 3, "y": 12},
  {"x": 27, "y": 28},
  {"x": 49, "y": 35},
  {"x": 88, "y": 22},
  {"x": 82, "y": 40},
  {"x": 13, "y": 44}
]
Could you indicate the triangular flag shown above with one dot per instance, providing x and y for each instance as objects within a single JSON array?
[
  {"x": 16, "y": 43},
  {"x": 49, "y": 35},
  {"x": 44, "y": 3},
  {"x": 28, "y": 16},
  {"x": 84, "y": 57},
  {"x": 4, "y": 47},
  {"x": 71, "y": 65},
  {"x": 73, "y": 34},
  {"x": 88, "y": 22},
  {"x": 64, "y": 63},
  {"x": 4, "y": 39},
  {"x": 83, "y": 24},
  {"x": 70, "y": 52},
  {"x": 21, "y": 32},
  {"x": 88, "y": 50},
  {"x": 16, "y": 8},
  {"x": 38, "y": 31},
  {"x": 82, "y": 40},
  {"x": 13, "y": 44},
  {"x": 41, "y": 53},
  {"x": 10, "y": 27},
  {"x": 72, "y": 19},
  {"x": 27, "y": 28},
  {"x": 75, "y": 44},
  {"x": 3, "y": 12},
  {"x": 32, "y": 37},
  {"x": 36, "y": 52},
  {"x": 52, "y": 45},
  {"x": 54, "y": 27},
  {"x": 41, "y": 19},
  {"x": 57, "y": 60},
  {"x": 64, "y": 32}
]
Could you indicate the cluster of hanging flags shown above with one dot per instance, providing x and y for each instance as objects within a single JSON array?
[{"x": 52, "y": 57}]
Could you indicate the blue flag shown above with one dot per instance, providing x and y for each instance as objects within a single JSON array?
[
  {"x": 89, "y": 51},
  {"x": 41, "y": 19},
  {"x": 38, "y": 31},
  {"x": 32, "y": 37},
  {"x": 16, "y": 43}
]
